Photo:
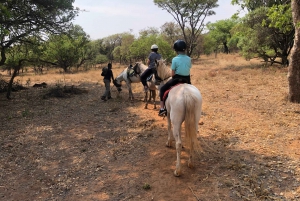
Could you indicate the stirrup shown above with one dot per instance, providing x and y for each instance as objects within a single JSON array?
[{"x": 162, "y": 112}]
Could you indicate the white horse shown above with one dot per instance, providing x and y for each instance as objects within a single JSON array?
[
  {"x": 184, "y": 103},
  {"x": 138, "y": 69}
]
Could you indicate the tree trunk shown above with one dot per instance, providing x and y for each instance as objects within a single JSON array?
[
  {"x": 284, "y": 60},
  {"x": 9, "y": 88},
  {"x": 65, "y": 69},
  {"x": 294, "y": 67},
  {"x": 226, "y": 50}
]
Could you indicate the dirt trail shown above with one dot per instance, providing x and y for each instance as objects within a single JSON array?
[{"x": 81, "y": 148}]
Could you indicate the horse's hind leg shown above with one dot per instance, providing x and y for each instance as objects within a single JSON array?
[
  {"x": 154, "y": 97},
  {"x": 168, "y": 144},
  {"x": 131, "y": 95},
  {"x": 146, "y": 100},
  {"x": 130, "y": 91},
  {"x": 177, "y": 136}
]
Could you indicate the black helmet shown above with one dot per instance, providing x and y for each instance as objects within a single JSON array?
[{"x": 179, "y": 45}]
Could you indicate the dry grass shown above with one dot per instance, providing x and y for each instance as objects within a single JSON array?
[{"x": 80, "y": 148}]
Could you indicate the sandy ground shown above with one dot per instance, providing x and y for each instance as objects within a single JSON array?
[{"x": 80, "y": 148}]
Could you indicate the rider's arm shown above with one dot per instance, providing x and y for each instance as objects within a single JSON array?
[{"x": 173, "y": 73}]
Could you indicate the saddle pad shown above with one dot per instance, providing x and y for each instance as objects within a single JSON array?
[{"x": 167, "y": 92}]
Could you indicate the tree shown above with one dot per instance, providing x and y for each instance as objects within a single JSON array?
[
  {"x": 280, "y": 21},
  {"x": 68, "y": 50},
  {"x": 20, "y": 19},
  {"x": 18, "y": 56},
  {"x": 148, "y": 31},
  {"x": 220, "y": 31},
  {"x": 209, "y": 44},
  {"x": 109, "y": 43},
  {"x": 127, "y": 40},
  {"x": 190, "y": 16},
  {"x": 294, "y": 68},
  {"x": 251, "y": 5},
  {"x": 171, "y": 32},
  {"x": 140, "y": 48},
  {"x": 81, "y": 42},
  {"x": 262, "y": 35}
]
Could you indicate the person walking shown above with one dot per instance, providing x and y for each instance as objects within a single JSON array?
[
  {"x": 154, "y": 55},
  {"x": 108, "y": 76}
]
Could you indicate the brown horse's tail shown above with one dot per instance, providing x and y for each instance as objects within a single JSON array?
[{"x": 190, "y": 121}]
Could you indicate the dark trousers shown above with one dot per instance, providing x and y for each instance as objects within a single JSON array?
[
  {"x": 176, "y": 79},
  {"x": 146, "y": 74}
]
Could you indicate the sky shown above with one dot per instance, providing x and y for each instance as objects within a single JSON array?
[{"x": 103, "y": 18}]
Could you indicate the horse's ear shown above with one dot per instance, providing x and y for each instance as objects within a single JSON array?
[{"x": 157, "y": 62}]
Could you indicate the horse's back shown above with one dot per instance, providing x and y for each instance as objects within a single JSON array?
[
  {"x": 181, "y": 95},
  {"x": 179, "y": 92}
]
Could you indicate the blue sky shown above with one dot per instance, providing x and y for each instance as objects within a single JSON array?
[{"x": 107, "y": 17}]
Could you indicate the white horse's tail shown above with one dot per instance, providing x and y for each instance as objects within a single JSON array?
[{"x": 190, "y": 121}]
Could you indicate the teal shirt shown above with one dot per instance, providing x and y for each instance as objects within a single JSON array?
[{"x": 182, "y": 64}]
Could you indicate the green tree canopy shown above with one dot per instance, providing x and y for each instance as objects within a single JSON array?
[
  {"x": 20, "y": 19},
  {"x": 220, "y": 32},
  {"x": 190, "y": 16},
  {"x": 251, "y": 5},
  {"x": 141, "y": 47},
  {"x": 266, "y": 32},
  {"x": 68, "y": 50}
]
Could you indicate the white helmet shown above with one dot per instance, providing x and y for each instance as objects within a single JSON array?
[{"x": 154, "y": 47}]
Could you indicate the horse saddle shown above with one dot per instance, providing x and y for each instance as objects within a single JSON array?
[
  {"x": 157, "y": 78},
  {"x": 133, "y": 71},
  {"x": 167, "y": 92}
]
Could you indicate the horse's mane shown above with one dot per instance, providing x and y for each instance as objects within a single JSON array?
[
  {"x": 142, "y": 65},
  {"x": 163, "y": 70}
]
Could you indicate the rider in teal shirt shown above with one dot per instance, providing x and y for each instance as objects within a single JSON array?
[{"x": 181, "y": 66}]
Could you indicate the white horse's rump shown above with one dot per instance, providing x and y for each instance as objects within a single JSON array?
[
  {"x": 184, "y": 104},
  {"x": 123, "y": 76}
]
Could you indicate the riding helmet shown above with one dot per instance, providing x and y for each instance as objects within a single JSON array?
[
  {"x": 154, "y": 47},
  {"x": 179, "y": 45}
]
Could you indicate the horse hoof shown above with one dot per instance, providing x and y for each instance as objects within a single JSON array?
[{"x": 176, "y": 174}]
